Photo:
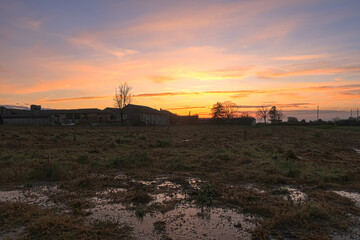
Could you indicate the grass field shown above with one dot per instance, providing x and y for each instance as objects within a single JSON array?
[{"x": 287, "y": 182}]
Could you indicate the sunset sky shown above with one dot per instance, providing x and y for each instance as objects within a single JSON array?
[{"x": 182, "y": 55}]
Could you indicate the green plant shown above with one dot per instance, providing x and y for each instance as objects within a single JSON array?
[{"x": 205, "y": 196}]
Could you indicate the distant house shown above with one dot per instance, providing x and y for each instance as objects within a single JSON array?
[
  {"x": 135, "y": 115},
  {"x": 75, "y": 116}
]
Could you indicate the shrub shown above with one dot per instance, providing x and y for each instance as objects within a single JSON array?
[{"x": 205, "y": 196}]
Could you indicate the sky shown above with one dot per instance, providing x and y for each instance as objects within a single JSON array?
[{"x": 183, "y": 56}]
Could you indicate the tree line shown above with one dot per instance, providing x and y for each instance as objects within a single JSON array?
[{"x": 229, "y": 110}]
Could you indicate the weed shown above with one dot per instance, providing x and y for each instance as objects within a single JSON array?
[
  {"x": 47, "y": 172},
  {"x": 140, "y": 212},
  {"x": 205, "y": 196},
  {"x": 333, "y": 175}
]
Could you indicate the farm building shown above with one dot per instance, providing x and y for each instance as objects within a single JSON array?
[
  {"x": 36, "y": 116},
  {"x": 134, "y": 115},
  {"x": 138, "y": 115}
]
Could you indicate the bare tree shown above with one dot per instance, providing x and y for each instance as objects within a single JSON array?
[
  {"x": 122, "y": 98},
  {"x": 263, "y": 113},
  {"x": 229, "y": 109}
]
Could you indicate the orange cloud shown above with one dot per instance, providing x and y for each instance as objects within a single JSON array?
[
  {"x": 193, "y": 93},
  {"x": 160, "y": 79},
  {"x": 73, "y": 99},
  {"x": 302, "y": 57},
  {"x": 306, "y": 72},
  {"x": 184, "y": 108},
  {"x": 294, "y": 105}
]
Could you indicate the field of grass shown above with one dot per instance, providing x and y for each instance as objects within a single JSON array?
[{"x": 250, "y": 169}]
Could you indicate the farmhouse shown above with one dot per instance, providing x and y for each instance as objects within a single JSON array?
[{"x": 138, "y": 115}]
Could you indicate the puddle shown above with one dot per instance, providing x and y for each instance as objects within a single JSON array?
[
  {"x": 357, "y": 150},
  {"x": 255, "y": 189},
  {"x": 355, "y": 197},
  {"x": 291, "y": 193},
  {"x": 296, "y": 195},
  {"x": 162, "y": 197},
  {"x": 355, "y": 230},
  {"x": 37, "y": 195},
  {"x": 110, "y": 191},
  {"x": 181, "y": 219},
  {"x": 168, "y": 184},
  {"x": 184, "y": 222},
  {"x": 195, "y": 182}
]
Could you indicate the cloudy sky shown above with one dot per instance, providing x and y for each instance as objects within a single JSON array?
[{"x": 182, "y": 55}]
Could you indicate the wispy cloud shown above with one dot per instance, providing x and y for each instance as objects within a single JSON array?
[
  {"x": 294, "y": 105},
  {"x": 160, "y": 79},
  {"x": 74, "y": 99},
  {"x": 302, "y": 57},
  {"x": 32, "y": 24},
  {"x": 102, "y": 48},
  {"x": 164, "y": 94},
  {"x": 307, "y": 72},
  {"x": 185, "y": 108}
]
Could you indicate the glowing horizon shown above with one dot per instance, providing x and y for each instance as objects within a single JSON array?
[{"x": 181, "y": 55}]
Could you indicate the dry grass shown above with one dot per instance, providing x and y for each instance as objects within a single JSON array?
[{"x": 316, "y": 158}]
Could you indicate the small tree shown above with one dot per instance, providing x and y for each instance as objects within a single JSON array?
[
  {"x": 275, "y": 115},
  {"x": 262, "y": 113},
  {"x": 217, "y": 111},
  {"x": 122, "y": 98}
]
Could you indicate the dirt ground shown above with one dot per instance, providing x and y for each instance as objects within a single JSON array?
[{"x": 180, "y": 182}]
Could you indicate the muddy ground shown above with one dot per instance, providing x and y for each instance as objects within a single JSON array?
[{"x": 181, "y": 182}]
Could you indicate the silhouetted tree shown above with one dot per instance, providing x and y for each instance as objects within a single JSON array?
[
  {"x": 229, "y": 109},
  {"x": 217, "y": 111},
  {"x": 275, "y": 115},
  {"x": 262, "y": 113},
  {"x": 122, "y": 98}
]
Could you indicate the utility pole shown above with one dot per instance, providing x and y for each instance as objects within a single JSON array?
[
  {"x": 357, "y": 113},
  {"x": 317, "y": 113},
  {"x": 351, "y": 113}
]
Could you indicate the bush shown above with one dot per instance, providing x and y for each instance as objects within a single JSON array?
[
  {"x": 47, "y": 172},
  {"x": 205, "y": 196}
]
